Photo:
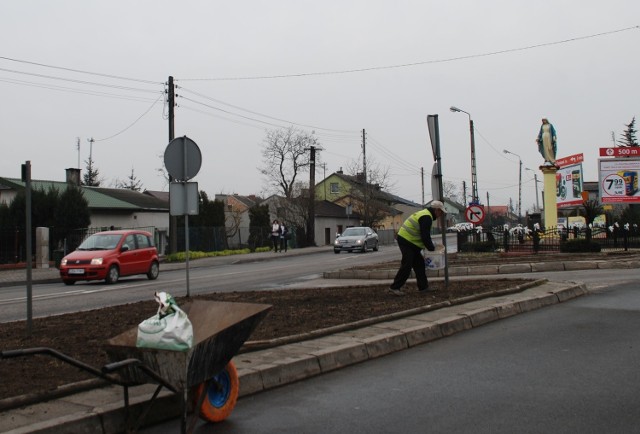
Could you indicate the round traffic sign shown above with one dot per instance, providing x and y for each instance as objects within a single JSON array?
[
  {"x": 474, "y": 214},
  {"x": 182, "y": 158}
]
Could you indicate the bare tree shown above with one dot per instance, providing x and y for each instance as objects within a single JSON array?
[
  {"x": 162, "y": 172},
  {"x": 232, "y": 221},
  {"x": 369, "y": 199},
  {"x": 377, "y": 175},
  {"x": 451, "y": 192},
  {"x": 286, "y": 155}
]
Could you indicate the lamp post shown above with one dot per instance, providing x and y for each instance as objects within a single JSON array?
[
  {"x": 519, "y": 185},
  {"x": 474, "y": 180},
  {"x": 535, "y": 179}
]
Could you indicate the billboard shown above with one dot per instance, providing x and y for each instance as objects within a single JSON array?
[
  {"x": 569, "y": 185},
  {"x": 618, "y": 180}
]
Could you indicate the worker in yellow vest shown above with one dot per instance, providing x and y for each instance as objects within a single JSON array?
[{"x": 413, "y": 236}]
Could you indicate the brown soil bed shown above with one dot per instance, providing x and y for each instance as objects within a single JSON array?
[{"x": 83, "y": 335}]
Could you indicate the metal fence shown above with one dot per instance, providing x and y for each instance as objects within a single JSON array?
[
  {"x": 13, "y": 242},
  {"x": 526, "y": 240}
]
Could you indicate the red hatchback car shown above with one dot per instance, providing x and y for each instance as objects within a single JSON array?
[{"x": 109, "y": 255}]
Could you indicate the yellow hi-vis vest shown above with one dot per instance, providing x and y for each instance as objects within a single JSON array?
[{"x": 410, "y": 229}]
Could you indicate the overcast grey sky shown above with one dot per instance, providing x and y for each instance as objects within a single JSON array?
[{"x": 341, "y": 66}]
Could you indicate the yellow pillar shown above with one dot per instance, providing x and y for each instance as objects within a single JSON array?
[{"x": 550, "y": 202}]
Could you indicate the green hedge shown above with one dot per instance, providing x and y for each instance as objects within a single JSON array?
[
  {"x": 182, "y": 257},
  {"x": 579, "y": 246},
  {"x": 484, "y": 246}
]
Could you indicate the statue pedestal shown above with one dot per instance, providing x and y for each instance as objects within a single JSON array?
[{"x": 550, "y": 202}]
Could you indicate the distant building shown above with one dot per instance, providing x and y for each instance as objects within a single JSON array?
[{"x": 108, "y": 207}]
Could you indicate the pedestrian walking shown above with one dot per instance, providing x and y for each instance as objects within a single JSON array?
[
  {"x": 275, "y": 235},
  {"x": 413, "y": 236},
  {"x": 284, "y": 237}
]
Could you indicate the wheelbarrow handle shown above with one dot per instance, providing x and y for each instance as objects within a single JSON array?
[
  {"x": 60, "y": 356},
  {"x": 8, "y": 354}
]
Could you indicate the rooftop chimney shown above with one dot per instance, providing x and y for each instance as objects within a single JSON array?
[{"x": 73, "y": 176}]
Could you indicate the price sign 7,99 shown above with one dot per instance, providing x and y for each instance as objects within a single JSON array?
[{"x": 613, "y": 185}]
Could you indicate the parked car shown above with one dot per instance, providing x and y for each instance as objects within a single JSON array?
[
  {"x": 356, "y": 239},
  {"x": 110, "y": 255}
]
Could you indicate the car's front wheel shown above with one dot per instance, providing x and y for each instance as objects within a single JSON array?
[
  {"x": 375, "y": 247},
  {"x": 69, "y": 282},
  {"x": 336, "y": 251},
  {"x": 154, "y": 271},
  {"x": 113, "y": 274}
]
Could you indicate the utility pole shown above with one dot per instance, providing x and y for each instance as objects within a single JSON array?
[
  {"x": 474, "y": 180},
  {"x": 364, "y": 155},
  {"x": 535, "y": 179},
  {"x": 464, "y": 193},
  {"x": 91, "y": 174},
  {"x": 26, "y": 178},
  {"x": 520, "y": 193},
  {"x": 91, "y": 151},
  {"x": 488, "y": 208},
  {"x": 364, "y": 176},
  {"x": 78, "y": 147},
  {"x": 311, "y": 227},
  {"x": 324, "y": 179},
  {"x": 173, "y": 220}
]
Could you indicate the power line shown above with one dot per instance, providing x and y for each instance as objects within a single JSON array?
[
  {"x": 90, "y": 83},
  {"x": 132, "y": 124},
  {"x": 186, "y": 107},
  {"x": 228, "y": 112},
  {"x": 412, "y": 64},
  {"x": 376, "y": 144},
  {"x": 263, "y": 115},
  {"x": 73, "y": 90},
  {"x": 78, "y": 70}
]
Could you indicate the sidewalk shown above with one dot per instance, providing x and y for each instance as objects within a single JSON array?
[{"x": 101, "y": 410}]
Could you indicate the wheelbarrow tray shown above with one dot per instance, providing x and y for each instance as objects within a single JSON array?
[{"x": 219, "y": 330}]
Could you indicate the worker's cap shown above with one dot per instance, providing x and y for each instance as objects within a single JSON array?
[{"x": 436, "y": 204}]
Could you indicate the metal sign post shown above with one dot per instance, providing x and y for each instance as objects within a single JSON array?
[
  {"x": 183, "y": 160},
  {"x": 434, "y": 135}
]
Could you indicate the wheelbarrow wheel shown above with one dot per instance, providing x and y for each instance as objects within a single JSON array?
[{"x": 222, "y": 395}]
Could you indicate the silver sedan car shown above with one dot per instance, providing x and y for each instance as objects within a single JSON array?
[{"x": 356, "y": 239}]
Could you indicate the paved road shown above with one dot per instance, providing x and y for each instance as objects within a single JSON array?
[
  {"x": 240, "y": 273},
  {"x": 569, "y": 368}
]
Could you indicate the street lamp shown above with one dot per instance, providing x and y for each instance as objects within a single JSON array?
[
  {"x": 519, "y": 185},
  {"x": 474, "y": 180},
  {"x": 535, "y": 179}
]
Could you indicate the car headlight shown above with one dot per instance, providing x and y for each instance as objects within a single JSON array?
[
  {"x": 359, "y": 242},
  {"x": 96, "y": 261},
  {"x": 336, "y": 242},
  {"x": 63, "y": 261}
]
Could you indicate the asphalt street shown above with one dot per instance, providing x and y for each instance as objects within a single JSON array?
[
  {"x": 568, "y": 368},
  {"x": 528, "y": 353}
]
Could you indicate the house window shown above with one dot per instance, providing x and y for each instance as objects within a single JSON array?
[{"x": 335, "y": 188}]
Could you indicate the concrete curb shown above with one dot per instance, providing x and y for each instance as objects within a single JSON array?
[
  {"x": 101, "y": 410},
  {"x": 480, "y": 270}
]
